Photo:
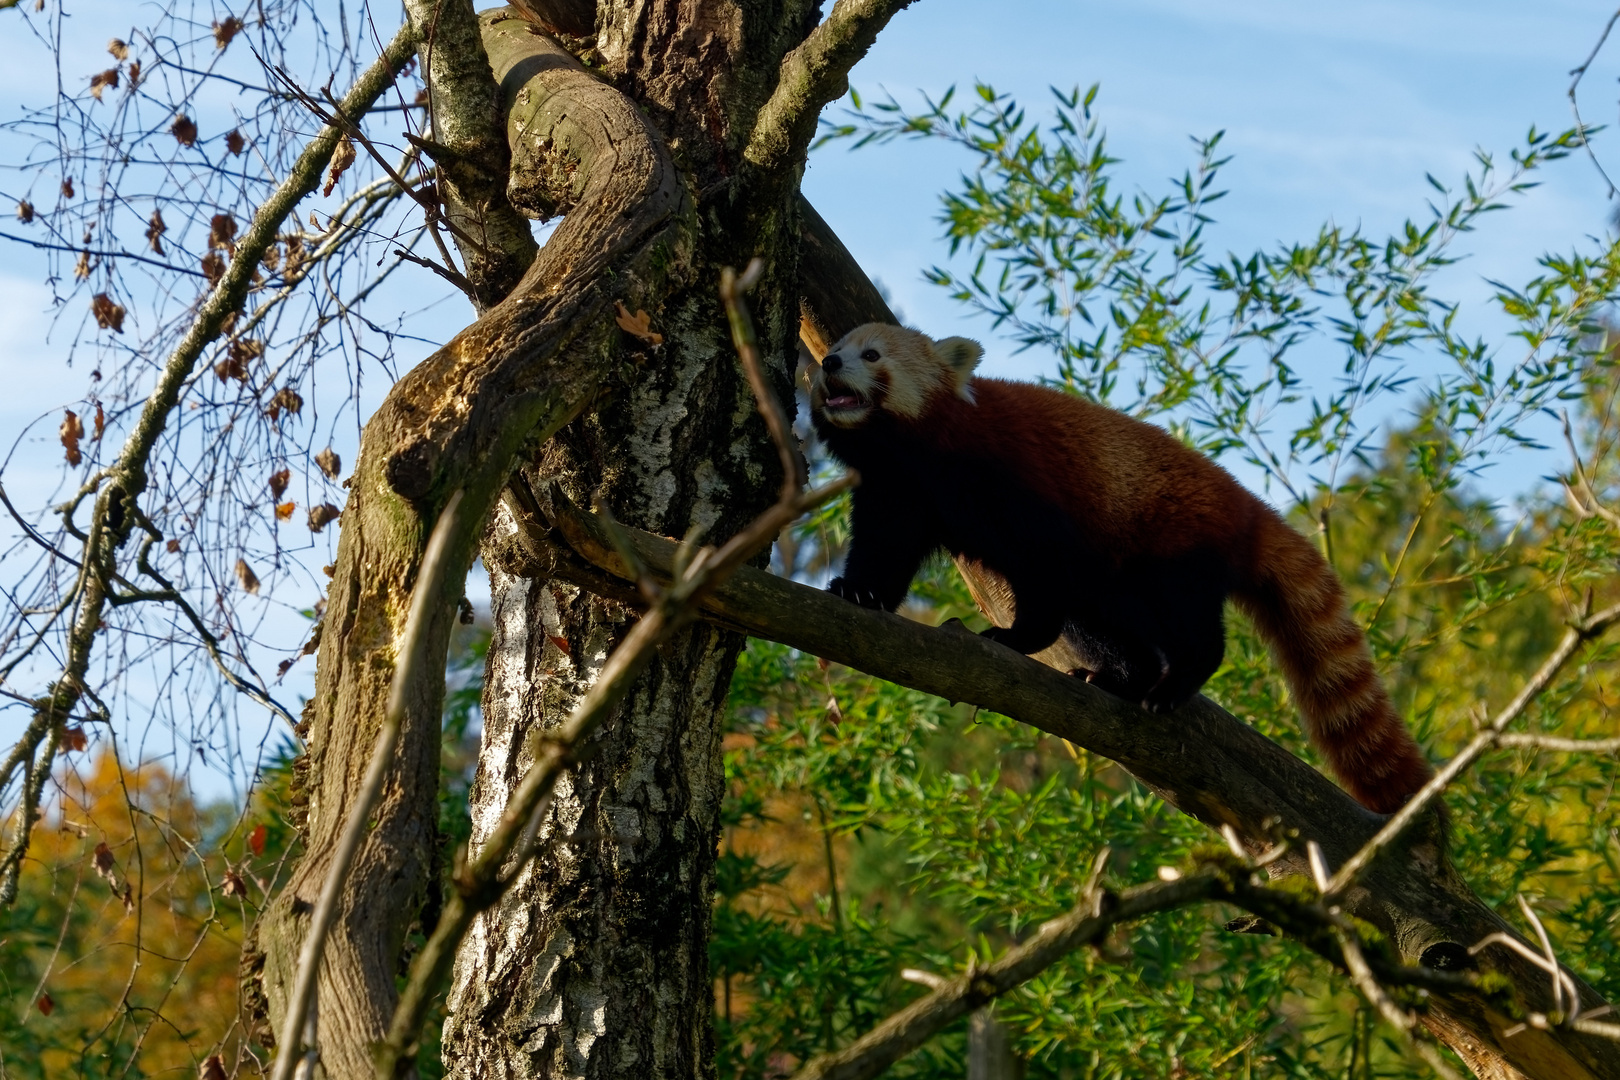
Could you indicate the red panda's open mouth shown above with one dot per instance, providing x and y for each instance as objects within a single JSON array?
[{"x": 841, "y": 397}]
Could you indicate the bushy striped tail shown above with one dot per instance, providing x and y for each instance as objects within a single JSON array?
[{"x": 1298, "y": 605}]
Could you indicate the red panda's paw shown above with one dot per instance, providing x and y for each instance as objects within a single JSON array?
[
  {"x": 842, "y": 589},
  {"x": 1159, "y": 703}
]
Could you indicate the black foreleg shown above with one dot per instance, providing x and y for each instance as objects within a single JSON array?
[{"x": 889, "y": 541}]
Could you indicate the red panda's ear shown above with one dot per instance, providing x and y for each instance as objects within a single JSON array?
[{"x": 961, "y": 355}]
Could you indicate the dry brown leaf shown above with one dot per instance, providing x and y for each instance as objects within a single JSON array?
[
  {"x": 67, "y": 188},
  {"x": 212, "y": 1069},
  {"x": 342, "y": 158},
  {"x": 45, "y": 1005},
  {"x": 241, "y": 353},
  {"x": 232, "y": 884},
  {"x": 103, "y": 859},
  {"x": 329, "y": 462},
  {"x": 74, "y": 738},
  {"x": 320, "y": 516},
  {"x": 287, "y": 400},
  {"x": 256, "y": 839},
  {"x": 222, "y": 232},
  {"x": 213, "y": 267},
  {"x": 25, "y": 212},
  {"x": 225, "y": 31},
  {"x": 102, "y": 81},
  {"x": 134, "y": 74},
  {"x": 561, "y": 643},
  {"x": 81, "y": 266},
  {"x": 184, "y": 130},
  {"x": 109, "y": 315},
  {"x": 171, "y": 546},
  {"x": 245, "y": 574},
  {"x": 155, "y": 230},
  {"x": 101, "y": 423},
  {"x": 71, "y": 431},
  {"x": 235, "y": 143},
  {"x": 285, "y": 510},
  {"x": 119, "y": 49},
  {"x": 638, "y": 326},
  {"x": 278, "y": 482}
]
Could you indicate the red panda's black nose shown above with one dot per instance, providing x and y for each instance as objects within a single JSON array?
[{"x": 832, "y": 363}]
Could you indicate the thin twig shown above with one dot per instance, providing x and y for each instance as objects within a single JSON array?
[
  {"x": 1088, "y": 921},
  {"x": 1578, "y": 634},
  {"x": 742, "y": 336},
  {"x": 429, "y": 582},
  {"x": 1401, "y": 1020},
  {"x": 1574, "y": 105},
  {"x": 454, "y": 277},
  {"x": 1554, "y": 742}
]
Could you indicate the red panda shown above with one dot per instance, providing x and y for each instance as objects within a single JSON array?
[{"x": 1108, "y": 530}]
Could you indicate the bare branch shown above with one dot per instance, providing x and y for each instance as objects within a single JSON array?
[
  {"x": 1553, "y": 742},
  {"x": 1587, "y": 629},
  {"x": 436, "y": 566},
  {"x": 126, "y": 480},
  {"x": 812, "y": 75},
  {"x": 1574, "y": 104},
  {"x": 742, "y": 335},
  {"x": 1085, "y": 923}
]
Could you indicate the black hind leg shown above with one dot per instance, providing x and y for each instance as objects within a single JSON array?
[
  {"x": 1193, "y": 646},
  {"x": 1158, "y": 637},
  {"x": 1182, "y": 614},
  {"x": 1119, "y": 659},
  {"x": 1038, "y": 618}
]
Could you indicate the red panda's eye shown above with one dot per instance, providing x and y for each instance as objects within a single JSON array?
[{"x": 869, "y": 355}]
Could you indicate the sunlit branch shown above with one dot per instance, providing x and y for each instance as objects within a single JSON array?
[
  {"x": 1588, "y": 629},
  {"x": 813, "y": 74},
  {"x": 409, "y": 662}
]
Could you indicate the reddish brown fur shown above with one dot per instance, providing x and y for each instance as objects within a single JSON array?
[{"x": 1138, "y": 492}]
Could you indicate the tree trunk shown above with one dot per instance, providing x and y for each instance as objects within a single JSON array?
[
  {"x": 596, "y": 963},
  {"x": 677, "y": 153}
]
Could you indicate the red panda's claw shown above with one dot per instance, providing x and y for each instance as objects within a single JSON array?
[{"x": 845, "y": 591}]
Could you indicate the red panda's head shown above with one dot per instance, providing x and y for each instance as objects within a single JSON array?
[{"x": 878, "y": 367}]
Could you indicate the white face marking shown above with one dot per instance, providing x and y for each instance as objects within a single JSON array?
[{"x": 878, "y": 366}]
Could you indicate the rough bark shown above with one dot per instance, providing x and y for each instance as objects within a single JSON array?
[
  {"x": 596, "y": 963},
  {"x": 469, "y": 147}
]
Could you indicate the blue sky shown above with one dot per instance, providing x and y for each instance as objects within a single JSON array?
[{"x": 1332, "y": 112}]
